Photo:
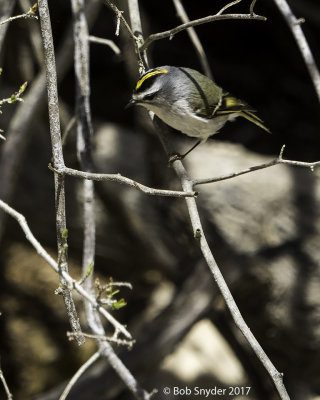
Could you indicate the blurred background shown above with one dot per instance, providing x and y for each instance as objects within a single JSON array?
[{"x": 263, "y": 228}]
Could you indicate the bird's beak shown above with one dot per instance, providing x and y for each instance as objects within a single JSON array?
[{"x": 130, "y": 104}]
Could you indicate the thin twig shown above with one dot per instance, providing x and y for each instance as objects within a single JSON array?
[
  {"x": 70, "y": 282},
  {"x": 276, "y": 161},
  {"x": 227, "y": 6},
  {"x": 252, "y": 7},
  {"x": 29, "y": 14},
  {"x": 107, "y": 42},
  {"x": 5, "y": 385},
  {"x": 194, "y": 38},
  {"x": 111, "y": 339},
  {"x": 210, "y": 18},
  {"x": 78, "y": 374},
  {"x": 118, "y": 178},
  {"x": 136, "y": 39},
  {"x": 295, "y": 26}
]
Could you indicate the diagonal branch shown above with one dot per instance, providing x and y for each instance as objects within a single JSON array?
[
  {"x": 276, "y": 161},
  {"x": 295, "y": 27},
  {"x": 199, "y": 235}
]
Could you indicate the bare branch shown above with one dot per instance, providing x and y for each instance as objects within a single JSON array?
[
  {"x": 295, "y": 27},
  {"x": 194, "y": 38},
  {"x": 118, "y": 178},
  {"x": 107, "y": 42},
  {"x": 276, "y": 161},
  {"x": 58, "y": 160},
  {"x": 210, "y": 18},
  {"x": 78, "y": 374}
]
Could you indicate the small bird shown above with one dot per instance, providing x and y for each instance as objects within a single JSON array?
[{"x": 190, "y": 102}]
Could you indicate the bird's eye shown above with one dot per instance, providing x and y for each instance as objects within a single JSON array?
[{"x": 149, "y": 96}]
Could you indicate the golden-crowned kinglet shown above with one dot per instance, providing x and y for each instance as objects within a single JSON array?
[{"x": 189, "y": 101}]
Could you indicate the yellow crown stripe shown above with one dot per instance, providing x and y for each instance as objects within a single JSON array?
[{"x": 147, "y": 76}]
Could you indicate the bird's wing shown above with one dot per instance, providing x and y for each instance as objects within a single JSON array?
[{"x": 232, "y": 105}]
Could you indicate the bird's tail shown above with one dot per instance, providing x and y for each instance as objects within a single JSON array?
[{"x": 252, "y": 117}]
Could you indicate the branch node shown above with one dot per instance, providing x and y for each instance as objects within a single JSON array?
[
  {"x": 198, "y": 233},
  {"x": 281, "y": 153},
  {"x": 119, "y": 15}
]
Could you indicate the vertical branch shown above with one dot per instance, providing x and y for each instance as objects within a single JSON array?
[
  {"x": 84, "y": 133},
  {"x": 295, "y": 26},
  {"x": 50, "y": 67},
  {"x": 84, "y": 129},
  {"x": 137, "y": 31}
]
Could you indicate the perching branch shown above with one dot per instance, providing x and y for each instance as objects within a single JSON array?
[
  {"x": 276, "y": 161},
  {"x": 61, "y": 227},
  {"x": 118, "y": 178},
  {"x": 295, "y": 26}
]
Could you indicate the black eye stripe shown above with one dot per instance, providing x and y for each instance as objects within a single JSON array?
[{"x": 149, "y": 96}]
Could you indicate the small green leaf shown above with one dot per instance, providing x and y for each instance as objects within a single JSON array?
[
  {"x": 1, "y": 70},
  {"x": 90, "y": 269},
  {"x": 119, "y": 304},
  {"x": 65, "y": 234}
]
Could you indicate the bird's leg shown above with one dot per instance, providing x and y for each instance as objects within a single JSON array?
[{"x": 177, "y": 156}]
